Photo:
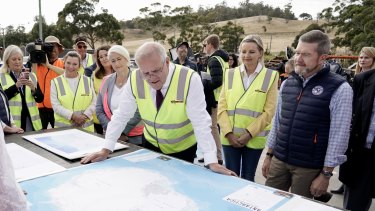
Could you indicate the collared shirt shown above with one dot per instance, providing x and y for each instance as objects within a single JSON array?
[
  {"x": 248, "y": 79},
  {"x": 341, "y": 113},
  {"x": 11, "y": 195},
  {"x": 371, "y": 129},
  {"x": 195, "y": 108}
]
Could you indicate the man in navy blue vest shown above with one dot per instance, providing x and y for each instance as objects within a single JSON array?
[{"x": 310, "y": 132}]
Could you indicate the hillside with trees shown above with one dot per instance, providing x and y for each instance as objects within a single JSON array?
[{"x": 350, "y": 23}]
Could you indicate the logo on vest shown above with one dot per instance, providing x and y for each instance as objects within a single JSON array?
[{"x": 318, "y": 90}]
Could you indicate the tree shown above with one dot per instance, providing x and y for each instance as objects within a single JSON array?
[
  {"x": 154, "y": 20},
  {"x": 305, "y": 16},
  {"x": 289, "y": 15},
  {"x": 264, "y": 29},
  {"x": 355, "y": 23},
  {"x": 269, "y": 19},
  {"x": 230, "y": 35},
  {"x": 78, "y": 17},
  {"x": 311, "y": 27},
  {"x": 13, "y": 36}
]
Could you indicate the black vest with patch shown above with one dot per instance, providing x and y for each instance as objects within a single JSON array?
[{"x": 303, "y": 133}]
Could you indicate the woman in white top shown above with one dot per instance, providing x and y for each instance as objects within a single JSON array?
[{"x": 112, "y": 86}]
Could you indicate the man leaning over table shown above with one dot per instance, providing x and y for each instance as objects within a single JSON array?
[{"x": 172, "y": 105}]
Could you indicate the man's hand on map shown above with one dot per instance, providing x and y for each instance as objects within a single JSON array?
[
  {"x": 215, "y": 167},
  {"x": 96, "y": 156}
]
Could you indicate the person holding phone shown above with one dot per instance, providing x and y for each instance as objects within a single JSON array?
[{"x": 22, "y": 89}]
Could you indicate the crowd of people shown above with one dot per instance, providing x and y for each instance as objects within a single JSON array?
[{"x": 228, "y": 107}]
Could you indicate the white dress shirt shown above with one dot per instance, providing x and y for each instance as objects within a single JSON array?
[
  {"x": 195, "y": 108},
  {"x": 11, "y": 195},
  {"x": 248, "y": 79}
]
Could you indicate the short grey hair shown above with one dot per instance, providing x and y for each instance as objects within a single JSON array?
[
  {"x": 319, "y": 37},
  {"x": 148, "y": 49}
]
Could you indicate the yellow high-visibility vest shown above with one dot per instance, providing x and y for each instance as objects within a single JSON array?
[
  {"x": 15, "y": 104},
  {"x": 76, "y": 102},
  {"x": 169, "y": 128},
  {"x": 224, "y": 66},
  {"x": 244, "y": 106},
  {"x": 90, "y": 61}
]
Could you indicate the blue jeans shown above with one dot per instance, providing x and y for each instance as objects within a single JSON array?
[{"x": 249, "y": 157}]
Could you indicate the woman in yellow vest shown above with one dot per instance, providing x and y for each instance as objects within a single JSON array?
[
  {"x": 22, "y": 89},
  {"x": 72, "y": 95},
  {"x": 103, "y": 68},
  {"x": 246, "y": 107}
]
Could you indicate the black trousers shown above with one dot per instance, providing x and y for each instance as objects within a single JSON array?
[
  {"x": 47, "y": 116},
  {"x": 186, "y": 155},
  {"x": 358, "y": 197}
]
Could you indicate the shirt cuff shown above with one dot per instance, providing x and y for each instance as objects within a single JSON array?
[
  {"x": 210, "y": 157},
  {"x": 110, "y": 145}
]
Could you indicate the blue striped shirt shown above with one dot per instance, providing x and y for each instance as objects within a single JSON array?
[{"x": 341, "y": 113}]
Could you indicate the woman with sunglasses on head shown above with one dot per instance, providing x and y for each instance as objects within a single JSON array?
[
  {"x": 22, "y": 90},
  {"x": 103, "y": 68},
  {"x": 112, "y": 86},
  {"x": 72, "y": 95}
]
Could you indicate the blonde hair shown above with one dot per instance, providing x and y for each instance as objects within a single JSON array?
[
  {"x": 73, "y": 54},
  {"x": 369, "y": 51},
  {"x": 254, "y": 38},
  {"x": 11, "y": 49}
]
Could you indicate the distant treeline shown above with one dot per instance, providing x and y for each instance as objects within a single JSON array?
[{"x": 221, "y": 12}]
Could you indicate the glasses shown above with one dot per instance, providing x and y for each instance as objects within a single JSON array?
[
  {"x": 153, "y": 73},
  {"x": 81, "y": 46}
]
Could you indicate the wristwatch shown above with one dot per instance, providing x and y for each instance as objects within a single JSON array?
[{"x": 327, "y": 174}]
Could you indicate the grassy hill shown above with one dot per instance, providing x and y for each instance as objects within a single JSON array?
[{"x": 282, "y": 32}]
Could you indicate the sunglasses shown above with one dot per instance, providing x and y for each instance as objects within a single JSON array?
[{"x": 81, "y": 46}]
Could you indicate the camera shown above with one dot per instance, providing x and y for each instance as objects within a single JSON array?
[{"x": 39, "y": 51}]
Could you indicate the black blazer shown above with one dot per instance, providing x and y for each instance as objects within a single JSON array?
[{"x": 363, "y": 100}]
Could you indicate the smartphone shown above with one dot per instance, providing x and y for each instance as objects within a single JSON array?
[{"x": 25, "y": 73}]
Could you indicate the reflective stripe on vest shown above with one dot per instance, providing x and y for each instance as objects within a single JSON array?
[
  {"x": 76, "y": 102},
  {"x": 244, "y": 106},
  {"x": 15, "y": 103},
  {"x": 170, "y": 131},
  {"x": 224, "y": 66},
  {"x": 104, "y": 92},
  {"x": 45, "y": 76}
]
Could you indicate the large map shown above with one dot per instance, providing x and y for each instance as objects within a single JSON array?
[{"x": 144, "y": 180}]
